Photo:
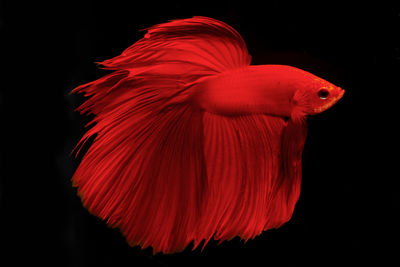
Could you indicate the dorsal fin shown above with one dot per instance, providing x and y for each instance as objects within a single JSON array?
[
  {"x": 179, "y": 52},
  {"x": 209, "y": 44}
]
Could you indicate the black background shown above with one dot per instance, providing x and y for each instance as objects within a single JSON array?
[{"x": 348, "y": 205}]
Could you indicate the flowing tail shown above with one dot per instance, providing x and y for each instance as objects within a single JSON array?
[{"x": 164, "y": 172}]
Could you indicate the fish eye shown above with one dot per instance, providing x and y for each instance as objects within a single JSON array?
[{"x": 323, "y": 94}]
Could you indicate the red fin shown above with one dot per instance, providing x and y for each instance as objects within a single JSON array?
[
  {"x": 146, "y": 180},
  {"x": 289, "y": 180},
  {"x": 198, "y": 44},
  {"x": 243, "y": 162},
  {"x": 181, "y": 51},
  {"x": 144, "y": 172}
]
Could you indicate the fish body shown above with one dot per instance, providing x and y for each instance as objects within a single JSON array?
[
  {"x": 267, "y": 89},
  {"x": 191, "y": 142}
]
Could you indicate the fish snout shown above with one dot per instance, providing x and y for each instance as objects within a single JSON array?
[{"x": 341, "y": 93}]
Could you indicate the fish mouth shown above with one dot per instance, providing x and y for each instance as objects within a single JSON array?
[
  {"x": 337, "y": 98},
  {"x": 341, "y": 93}
]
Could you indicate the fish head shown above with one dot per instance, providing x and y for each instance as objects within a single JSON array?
[{"x": 318, "y": 96}]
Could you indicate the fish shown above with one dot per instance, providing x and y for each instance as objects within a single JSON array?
[{"x": 190, "y": 142}]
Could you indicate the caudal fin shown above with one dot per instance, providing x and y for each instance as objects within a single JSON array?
[{"x": 145, "y": 171}]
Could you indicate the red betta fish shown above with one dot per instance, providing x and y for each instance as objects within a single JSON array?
[{"x": 191, "y": 142}]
